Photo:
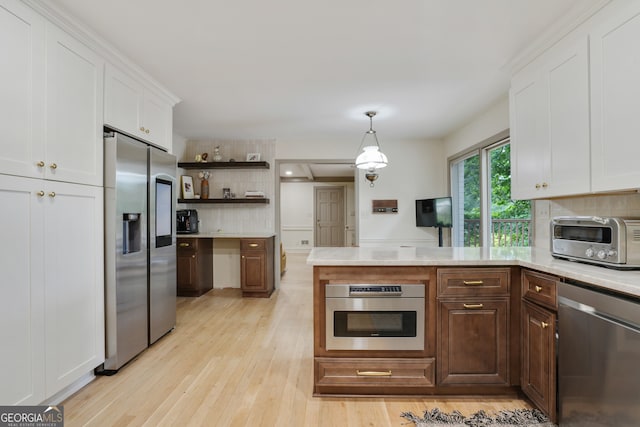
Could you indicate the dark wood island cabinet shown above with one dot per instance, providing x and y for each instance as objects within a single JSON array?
[{"x": 539, "y": 312}]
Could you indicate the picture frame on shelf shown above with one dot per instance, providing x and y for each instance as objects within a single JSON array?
[
  {"x": 253, "y": 157},
  {"x": 186, "y": 182}
]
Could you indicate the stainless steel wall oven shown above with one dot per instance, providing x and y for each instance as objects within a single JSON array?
[{"x": 375, "y": 316}]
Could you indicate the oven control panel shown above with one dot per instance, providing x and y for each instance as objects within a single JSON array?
[{"x": 374, "y": 290}]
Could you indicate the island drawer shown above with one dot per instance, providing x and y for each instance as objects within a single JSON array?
[
  {"x": 540, "y": 288},
  {"x": 375, "y": 372},
  {"x": 454, "y": 282}
]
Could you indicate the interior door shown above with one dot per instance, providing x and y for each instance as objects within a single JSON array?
[{"x": 329, "y": 216}]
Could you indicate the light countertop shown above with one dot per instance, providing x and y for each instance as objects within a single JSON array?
[
  {"x": 217, "y": 235},
  {"x": 537, "y": 259}
]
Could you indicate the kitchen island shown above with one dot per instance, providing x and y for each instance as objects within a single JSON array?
[
  {"x": 626, "y": 282},
  {"x": 488, "y": 313}
]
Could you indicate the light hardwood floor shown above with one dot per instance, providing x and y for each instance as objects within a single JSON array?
[{"x": 235, "y": 361}]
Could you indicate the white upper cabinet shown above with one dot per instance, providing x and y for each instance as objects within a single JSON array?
[
  {"x": 74, "y": 110},
  {"x": 135, "y": 109},
  {"x": 549, "y": 115},
  {"x": 22, "y": 99},
  {"x": 51, "y": 103},
  {"x": 615, "y": 98}
]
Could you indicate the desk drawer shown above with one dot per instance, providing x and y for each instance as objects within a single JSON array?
[
  {"x": 187, "y": 244},
  {"x": 253, "y": 244}
]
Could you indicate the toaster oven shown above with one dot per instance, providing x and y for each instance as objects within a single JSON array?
[{"x": 611, "y": 242}]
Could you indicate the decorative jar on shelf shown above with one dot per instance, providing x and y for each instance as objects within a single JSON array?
[
  {"x": 217, "y": 157},
  {"x": 204, "y": 184}
]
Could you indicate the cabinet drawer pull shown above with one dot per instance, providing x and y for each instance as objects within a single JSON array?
[
  {"x": 40, "y": 164},
  {"x": 473, "y": 282},
  {"x": 193, "y": 256},
  {"x": 53, "y": 166},
  {"x": 40, "y": 193},
  {"x": 538, "y": 288},
  {"x": 544, "y": 325},
  {"x": 52, "y": 194},
  {"x": 373, "y": 373},
  {"x": 253, "y": 245},
  {"x": 473, "y": 305},
  {"x": 184, "y": 245}
]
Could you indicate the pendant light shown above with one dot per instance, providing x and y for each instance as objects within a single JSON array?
[{"x": 371, "y": 158}]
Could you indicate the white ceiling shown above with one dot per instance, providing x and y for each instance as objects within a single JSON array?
[{"x": 307, "y": 70}]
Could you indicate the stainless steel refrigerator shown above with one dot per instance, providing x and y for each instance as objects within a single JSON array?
[{"x": 140, "y": 247}]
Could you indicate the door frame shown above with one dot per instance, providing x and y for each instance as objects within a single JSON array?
[
  {"x": 315, "y": 212},
  {"x": 278, "y": 221}
]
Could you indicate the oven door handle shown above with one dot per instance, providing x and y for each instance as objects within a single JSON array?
[{"x": 373, "y": 373}]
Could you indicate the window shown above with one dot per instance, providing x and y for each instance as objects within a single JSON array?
[{"x": 483, "y": 212}]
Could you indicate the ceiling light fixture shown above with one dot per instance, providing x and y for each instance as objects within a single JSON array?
[{"x": 371, "y": 157}]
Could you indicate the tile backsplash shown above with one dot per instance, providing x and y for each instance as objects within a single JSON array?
[
  {"x": 619, "y": 205},
  {"x": 234, "y": 218}
]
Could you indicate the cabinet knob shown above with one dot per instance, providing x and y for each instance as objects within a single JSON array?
[
  {"x": 53, "y": 166},
  {"x": 40, "y": 164},
  {"x": 193, "y": 256},
  {"x": 242, "y": 257},
  {"x": 537, "y": 186},
  {"x": 142, "y": 128},
  {"x": 545, "y": 185},
  {"x": 146, "y": 131},
  {"x": 473, "y": 305},
  {"x": 544, "y": 325},
  {"x": 52, "y": 194},
  {"x": 40, "y": 193},
  {"x": 538, "y": 288},
  {"x": 472, "y": 282}
]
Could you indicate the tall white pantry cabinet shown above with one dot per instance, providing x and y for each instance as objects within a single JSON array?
[{"x": 51, "y": 221}]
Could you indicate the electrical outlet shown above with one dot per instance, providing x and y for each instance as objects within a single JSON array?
[{"x": 304, "y": 242}]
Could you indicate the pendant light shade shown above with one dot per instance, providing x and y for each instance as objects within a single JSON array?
[{"x": 371, "y": 157}]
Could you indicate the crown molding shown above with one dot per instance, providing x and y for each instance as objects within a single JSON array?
[
  {"x": 98, "y": 44},
  {"x": 578, "y": 15}
]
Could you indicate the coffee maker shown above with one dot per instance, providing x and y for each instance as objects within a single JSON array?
[{"x": 187, "y": 221}]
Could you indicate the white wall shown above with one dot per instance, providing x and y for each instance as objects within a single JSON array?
[
  {"x": 416, "y": 170},
  {"x": 489, "y": 122}
]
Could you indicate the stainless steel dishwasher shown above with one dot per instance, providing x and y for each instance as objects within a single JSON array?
[{"x": 598, "y": 357}]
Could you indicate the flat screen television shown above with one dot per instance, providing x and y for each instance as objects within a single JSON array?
[{"x": 434, "y": 212}]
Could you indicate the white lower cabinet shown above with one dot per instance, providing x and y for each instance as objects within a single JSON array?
[
  {"x": 22, "y": 335},
  {"x": 51, "y": 286}
]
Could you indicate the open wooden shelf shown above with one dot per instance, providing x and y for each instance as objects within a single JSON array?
[
  {"x": 224, "y": 165},
  {"x": 222, "y": 201}
]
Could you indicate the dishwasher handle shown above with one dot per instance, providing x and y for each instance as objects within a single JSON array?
[{"x": 618, "y": 309}]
